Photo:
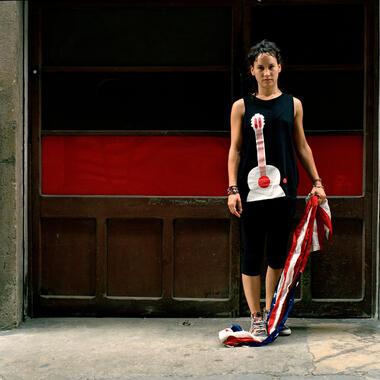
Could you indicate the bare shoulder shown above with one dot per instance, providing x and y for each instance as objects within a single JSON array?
[
  {"x": 238, "y": 107},
  {"x": 297, "y": 103},
  {"x": 297, "y": 106}
]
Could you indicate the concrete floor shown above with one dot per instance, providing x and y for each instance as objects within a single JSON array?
[{"x": 156, "y": 349}]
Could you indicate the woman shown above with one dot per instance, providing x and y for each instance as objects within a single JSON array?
[{"x": 266, "y": 131}]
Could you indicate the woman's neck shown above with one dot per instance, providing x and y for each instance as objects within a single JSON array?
[{"x": 265, "y": 93}]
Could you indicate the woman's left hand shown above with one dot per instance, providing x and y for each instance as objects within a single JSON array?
[{"x": 320, "y": 193}]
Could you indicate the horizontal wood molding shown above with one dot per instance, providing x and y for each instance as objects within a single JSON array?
[
  {"x": 121, "y": 132},
  {"x": 135, "y": 133},
  {"x": 133, "y": 69},
  {"x": 338, "y": 67},
  {"x": 137, "y": 3},
  {"x": 256, "y": 3},
  {"x": 170, "y": 207}
]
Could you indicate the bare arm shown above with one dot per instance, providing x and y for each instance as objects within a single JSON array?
[
  {"x": 237, "y": 112},
  {"x": 304, "y": 152}
]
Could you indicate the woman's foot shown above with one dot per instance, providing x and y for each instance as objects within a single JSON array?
[
  {"x": 258, "y": 327},
  {"x": 285, "y": 331}
]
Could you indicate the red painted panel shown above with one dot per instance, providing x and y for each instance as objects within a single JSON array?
[
  {"x": 176, "y": 166},
  {"x": 134, "y": 165},
  {"x": 339, "y": 160}
]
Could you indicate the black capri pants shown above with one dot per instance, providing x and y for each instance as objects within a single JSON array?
[{"x": 265, "y": 223}]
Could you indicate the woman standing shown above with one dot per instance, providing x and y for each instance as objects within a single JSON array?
[{"x": 266, "y": 132}]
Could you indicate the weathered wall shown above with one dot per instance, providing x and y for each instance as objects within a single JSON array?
[{"x": 11, "y": 162}]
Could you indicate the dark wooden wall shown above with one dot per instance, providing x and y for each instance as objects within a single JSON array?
[{"x": 165, "y": 256}]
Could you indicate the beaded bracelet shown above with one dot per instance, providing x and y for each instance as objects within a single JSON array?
[
  {"x": 317, "y": 179},
  {"x": 232, "y": 190},
  {"x": 319, "y": 186}
]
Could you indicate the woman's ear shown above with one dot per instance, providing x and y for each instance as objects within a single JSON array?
[
  {"x": 279, "y": 67},
  {"x": 251, "y": 70}
]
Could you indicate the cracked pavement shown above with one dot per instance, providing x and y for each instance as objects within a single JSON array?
[{"x": 175, "y": 348}]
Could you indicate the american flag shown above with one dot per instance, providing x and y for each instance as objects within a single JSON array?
[{"x": 308, "y": 236}]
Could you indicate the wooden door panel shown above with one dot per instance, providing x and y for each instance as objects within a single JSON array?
[
  {"x": 340, "y": 265},
  {"x": 68, "y": 257},
  {"x": 153, "y": 256},
  {"x": 336, "y": 281},
  {"x": 202, "y": 258},
  {"x": 134, "y": 257},
  {"x": 133, "y": 223}
]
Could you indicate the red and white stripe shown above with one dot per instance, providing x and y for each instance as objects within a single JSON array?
[{"x": 308, "y": 237}]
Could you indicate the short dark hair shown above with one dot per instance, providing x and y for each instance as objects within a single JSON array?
[{"x": 264, "y": 47}]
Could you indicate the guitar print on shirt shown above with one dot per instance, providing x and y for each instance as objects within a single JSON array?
[{"x": 263, "y": 180}]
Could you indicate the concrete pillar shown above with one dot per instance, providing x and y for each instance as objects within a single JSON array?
[{"x": 11, "y": 162}]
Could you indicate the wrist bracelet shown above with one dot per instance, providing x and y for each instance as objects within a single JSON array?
[
  {"x": 232, "y": 190},
  {"x": 319, "y": 186},
  {"x": 317, "y": 179}
]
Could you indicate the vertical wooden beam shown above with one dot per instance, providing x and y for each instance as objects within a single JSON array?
[
  {"x": 35, "y": 157},
  {"x": 101, "y": 259},
  {"x": 371, "y": 127},
  {"x": 168, "y": 258}
]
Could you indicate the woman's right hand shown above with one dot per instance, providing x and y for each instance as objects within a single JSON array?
[{"x": 234, "y": 204}]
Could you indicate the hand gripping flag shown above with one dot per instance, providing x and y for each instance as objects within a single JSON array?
[{"x": 308, "y": 237}]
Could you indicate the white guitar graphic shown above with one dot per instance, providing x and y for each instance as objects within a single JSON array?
[{"x": 263, "y": 180}]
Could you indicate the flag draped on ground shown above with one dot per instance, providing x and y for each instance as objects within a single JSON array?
[{"x": 309, "y": 236}]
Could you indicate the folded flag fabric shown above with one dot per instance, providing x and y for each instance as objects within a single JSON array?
[
  {"x": 315, "y": 225},
  {"x": 322, "y": 225}
]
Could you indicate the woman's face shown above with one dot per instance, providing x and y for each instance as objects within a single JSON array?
[{"x": 266, "y": 69}]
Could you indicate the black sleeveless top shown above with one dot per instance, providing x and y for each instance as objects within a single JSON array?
[{"x": 277, "y": 116}]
